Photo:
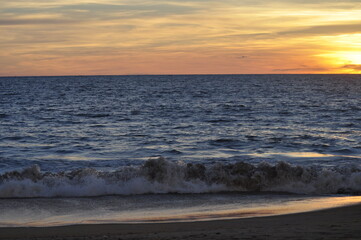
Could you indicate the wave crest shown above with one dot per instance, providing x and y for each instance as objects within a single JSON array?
[{"x": 163, "y": 176}]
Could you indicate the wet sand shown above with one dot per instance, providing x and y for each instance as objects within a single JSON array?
[{"x": 336, "y": 223}]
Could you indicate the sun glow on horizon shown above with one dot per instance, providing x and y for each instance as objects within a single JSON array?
[
  {"x": 342, "y": 53},
  {"x": 81, "y": 37},
  {"x": 352, "y": 57},
  {"x": 345, "y": 62}
]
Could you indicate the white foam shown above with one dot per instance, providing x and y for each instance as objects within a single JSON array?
[{"x": 162, "y": 176}]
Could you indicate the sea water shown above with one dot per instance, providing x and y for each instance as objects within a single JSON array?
[{"x": 89, "y": 149}]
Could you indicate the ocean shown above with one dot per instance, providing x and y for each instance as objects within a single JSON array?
[{"x": 96, "y": 149}]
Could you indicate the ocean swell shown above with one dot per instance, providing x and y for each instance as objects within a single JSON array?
[{"x": 163, "y": 176}]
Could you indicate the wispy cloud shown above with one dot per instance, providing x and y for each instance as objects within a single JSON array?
[
  {"x": 353, "y": 66},
  {"x": 333, "y": 29},
  {"x": 302, "y": 69},
  {"x": 40, "y": 21},
  {"x": 107, "y": 11},
  {"x": 230, "y": 36}
]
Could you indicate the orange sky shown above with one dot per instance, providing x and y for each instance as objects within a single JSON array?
[{"x": 82, "y": 37}]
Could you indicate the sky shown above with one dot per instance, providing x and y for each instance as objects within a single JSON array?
[{"x": 109, "y": 37}]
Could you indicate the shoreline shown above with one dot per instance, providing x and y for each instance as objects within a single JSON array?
[{"x": 335, "y": 223}]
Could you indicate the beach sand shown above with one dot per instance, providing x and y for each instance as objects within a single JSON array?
[{"x": 336, "y": 223}]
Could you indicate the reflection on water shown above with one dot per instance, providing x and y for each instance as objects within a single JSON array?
[
  {"x": 300, "y": 155},
  {"x": 159, "y": 208},
  {"x": 105, "y": 122},
  {"x": 234, "y": 212}
]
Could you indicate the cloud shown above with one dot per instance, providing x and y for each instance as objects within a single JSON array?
[
  {"x": 352, "y": 66},
  {"x": 95, "y": 11},
  {"x": 301, "y": 69},
  {"x": 128, "y": 9},
  {"x": 258, "y": 35},
  {"x": 334, "y": 29},
  {"x": 319, "y": 30},
  {"x": 355, "y": 67},
  {"x": 178, "y": 25},
  {"x": 30, "y": 21}
]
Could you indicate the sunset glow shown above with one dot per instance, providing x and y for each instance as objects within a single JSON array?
[
  {"x": 353, "y": 57},
  {"x": 83, "y": 37}
]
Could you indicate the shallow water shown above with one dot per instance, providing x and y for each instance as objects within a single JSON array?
[{"x": 159, "y": 208}]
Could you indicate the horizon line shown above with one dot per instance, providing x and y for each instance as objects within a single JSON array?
[{"x": 184, "y": 74}]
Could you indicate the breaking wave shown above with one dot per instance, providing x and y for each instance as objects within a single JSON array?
[{"x": 163, "y": 176}]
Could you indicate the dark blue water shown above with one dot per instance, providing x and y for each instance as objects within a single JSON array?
[{"x": 108, "y": 127}]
